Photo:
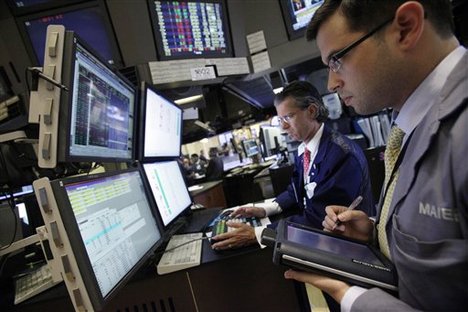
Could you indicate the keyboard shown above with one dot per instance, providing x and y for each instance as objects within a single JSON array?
[
  {"x": 33, "y": 283},
  {"x": 183, "y": 257},
  {"x": 220, "y": 226}
]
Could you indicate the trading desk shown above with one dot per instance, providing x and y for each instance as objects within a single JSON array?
[
  {"x": 209, "y": 194},
  {"x": 237, "y": 280}
]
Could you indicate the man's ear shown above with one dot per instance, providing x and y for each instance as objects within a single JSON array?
[
  {"x": 409, "y": 22},
  {"x": 313, "y": 110}
]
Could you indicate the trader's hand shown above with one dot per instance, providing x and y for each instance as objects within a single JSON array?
[
  {"x": 333, "y": 287},
  {"x": 351, "y": 223},
  {"x": 249, "y": 211},
  {"x": 243, "y": 235}
]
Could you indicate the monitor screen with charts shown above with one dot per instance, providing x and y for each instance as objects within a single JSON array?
[
  {"x": 110, "y": 226},
  {"x": 97, "y": 114},
  {"x": 169, "y": 189},
  {"x": 191, "y": 29},
  {"x": 160, "y": 126}
]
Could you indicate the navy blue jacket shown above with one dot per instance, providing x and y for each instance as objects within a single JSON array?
[{"x": 341, "y": 174}]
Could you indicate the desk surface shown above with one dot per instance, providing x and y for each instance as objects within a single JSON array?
[{"x": 204, "y": 187}]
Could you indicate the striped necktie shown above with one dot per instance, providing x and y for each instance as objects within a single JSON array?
[{"x": 391, "y": 155}]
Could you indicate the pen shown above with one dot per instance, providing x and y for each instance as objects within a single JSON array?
[{"x": 353, "y": 205}]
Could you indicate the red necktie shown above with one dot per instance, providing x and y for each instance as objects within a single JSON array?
[{"x": 306, "y": 160}]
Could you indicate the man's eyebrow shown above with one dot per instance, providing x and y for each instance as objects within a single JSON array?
[{"x": 330, "y": 55}]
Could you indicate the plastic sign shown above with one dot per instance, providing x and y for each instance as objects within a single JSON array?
[{"x": 203, "y": 73}]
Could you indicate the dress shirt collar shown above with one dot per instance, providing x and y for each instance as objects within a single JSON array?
[
  {"x": 313, "y": 144},
  {"x": 425, "y": 95}
]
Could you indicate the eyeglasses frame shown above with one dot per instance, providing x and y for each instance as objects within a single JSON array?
[{"x": 335, "y": 58}]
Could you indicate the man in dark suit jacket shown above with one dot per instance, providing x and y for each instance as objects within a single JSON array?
[
  {"x": 215, "y": 168},
  {"x": 337, "y": 170}
]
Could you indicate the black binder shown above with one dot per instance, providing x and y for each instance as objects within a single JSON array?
[{"x": 312, "y": 250}]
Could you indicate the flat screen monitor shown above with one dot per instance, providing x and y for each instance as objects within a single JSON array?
[
  {"x": 90, "y": 20},
  {"x": 111, "y": 228},
  {"x": 191, "y": 29},
  {"x": 250, "y": 147},
  {"x": 97, "y": 114},
  {"x": 21, "y": 7},
  {"x": 160, "y": 126},
  {"x": 297, "y": 15},
  {"x": 169, "y": 189}
]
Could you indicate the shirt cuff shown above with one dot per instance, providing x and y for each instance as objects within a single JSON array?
[
  {"x": 270, "y": 208},
  {"x": 258, "y": 234},
  {"x": 350, "y": 296}
]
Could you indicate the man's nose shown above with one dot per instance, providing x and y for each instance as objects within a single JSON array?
[{"x": 334, "y": 81}]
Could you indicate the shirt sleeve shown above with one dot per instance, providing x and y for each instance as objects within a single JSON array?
[
  {"x": 350, "y": 296},
  {"x": 258, "y": 234}
]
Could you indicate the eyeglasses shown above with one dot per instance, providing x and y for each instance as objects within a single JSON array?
[
  {"x": 288, "y": 118},
  {"x": 334, "y": 63}
]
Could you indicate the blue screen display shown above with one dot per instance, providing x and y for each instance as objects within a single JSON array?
[{"x": 89, "y": 24}]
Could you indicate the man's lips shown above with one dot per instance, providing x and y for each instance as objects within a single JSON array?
[{"x": 347, "y": 100}]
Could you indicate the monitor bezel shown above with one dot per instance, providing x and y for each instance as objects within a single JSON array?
[
  {"x": 79, "y": 250},
  {"x": 66, "y": 98},
  {"x": 184, "y": 213},
  {"x": 288, "y": 21},
  {"x": 142, "y": 126},
  {"x": 158, "y": 38},
  {"x": 47, "y": 5},
  {"x": 80, "y": 5}
]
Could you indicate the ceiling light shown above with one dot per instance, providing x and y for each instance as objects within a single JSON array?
[
  {"x": 189, "y": 99},
  {"x": 277, "y": 90}
]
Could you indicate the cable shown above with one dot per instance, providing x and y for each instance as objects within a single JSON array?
[
  {"x": 10, "y": 200},
  {"x": 183, "y": 244}
]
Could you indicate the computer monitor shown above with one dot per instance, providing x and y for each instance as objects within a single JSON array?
[
  {"x": 21, "y": 7},
  {"x": 169, "y": 190},
  {"x": 89, "y": 19},
  {"x": 191, "y": 29},
  {"x": 97, "y": 114},
  {"x": 160, "y": 122},
  {"x": 111, "y": 228},
  {"x": 297, "y": 14},
  {"x": 250, "y": 147}
]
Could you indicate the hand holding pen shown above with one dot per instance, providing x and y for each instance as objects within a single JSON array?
[{"x": 353, "y": 205}]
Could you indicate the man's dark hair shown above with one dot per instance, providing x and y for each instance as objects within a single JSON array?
[
  {"x": 304, "y": 95},
  {"x": 364, "y": 15}
]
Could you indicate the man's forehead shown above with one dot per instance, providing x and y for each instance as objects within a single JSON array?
[{"x": 332, "y": 34}]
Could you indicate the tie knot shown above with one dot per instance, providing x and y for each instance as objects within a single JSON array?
[{"x": 395, "y": 138}]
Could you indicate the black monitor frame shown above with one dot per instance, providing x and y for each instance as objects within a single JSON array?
[
  {"x": 117, "y": 60},
  {"x": 71, "y": 43},
  {"x": 79, "y": 250},
  {"x": 289, "y": 19},
  {"x": 158, "y": 39},
  {"x": 142, "y": 121}
]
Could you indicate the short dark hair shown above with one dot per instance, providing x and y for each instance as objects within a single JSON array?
[
  {"x": 304, "y": 95},
  {"x": 364, "y": 15}
]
